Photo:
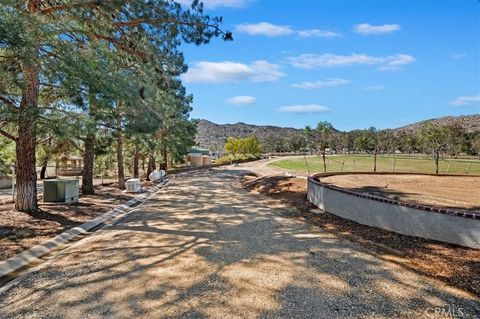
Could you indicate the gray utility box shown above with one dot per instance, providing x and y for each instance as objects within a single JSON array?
[{"x": 61, "y": 190}]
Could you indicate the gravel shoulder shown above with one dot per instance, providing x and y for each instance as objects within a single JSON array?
[{"x": 205, "y": 247}]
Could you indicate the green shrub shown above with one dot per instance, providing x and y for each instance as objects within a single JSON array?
[{"x": 228, "y": 159}]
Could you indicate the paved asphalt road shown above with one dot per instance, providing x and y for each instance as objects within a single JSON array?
[{"x": 204, "y": 247}]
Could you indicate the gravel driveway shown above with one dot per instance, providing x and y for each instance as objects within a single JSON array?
[{"x": 204, "y": 247}]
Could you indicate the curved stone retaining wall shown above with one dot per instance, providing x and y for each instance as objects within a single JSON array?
[{"x": 446, "y": 225}]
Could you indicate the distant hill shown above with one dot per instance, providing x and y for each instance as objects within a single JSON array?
[
  {"x": 213, "y": 136},
  {"x": 470, "y": 123}
]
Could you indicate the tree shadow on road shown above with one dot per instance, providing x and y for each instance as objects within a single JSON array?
[{"x": 211, "y": 249}]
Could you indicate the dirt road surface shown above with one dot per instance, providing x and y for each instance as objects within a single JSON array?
[{"x": 203, "y": 247}]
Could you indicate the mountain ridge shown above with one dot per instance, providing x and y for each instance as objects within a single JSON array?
[
  {"x": 213, "y": 136},
  {"x": 470, "y": 123}
]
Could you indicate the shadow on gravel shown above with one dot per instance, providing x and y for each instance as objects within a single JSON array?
[
  {"x": 456, "y": 265},
  {"x": 201, "y": 249},
  {"x": 45, "y": 215}
]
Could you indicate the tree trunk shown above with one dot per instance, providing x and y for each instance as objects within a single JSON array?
[
  {"x": 46, "y": 158},
  {"x": 26, "y": 181},
  {"x": 89, "y": 145},
  {"x": 121, "y": 171},
  {"x": 44, "y": 168},
  {"x": 164, "y": 165},
  {"x": 437, "y": 157},
  {"x": 87, "y": 174},
  {"x": 151, "y": 166},
  {"x": 375, "y": 162},
  {"x": 26, "y": 200},
  {"x": 136, "y": 159},
  {"x": 324, "y": 161}
]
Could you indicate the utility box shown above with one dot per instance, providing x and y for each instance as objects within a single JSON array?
[
  {"x": 61, "y": 191},
  {"x": 133, "y": 186}
]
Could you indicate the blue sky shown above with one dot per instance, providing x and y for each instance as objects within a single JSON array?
[{"x": 353, "y": 63}]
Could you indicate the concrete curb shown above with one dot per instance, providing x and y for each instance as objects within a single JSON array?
[{"x": 33, "y": 254}]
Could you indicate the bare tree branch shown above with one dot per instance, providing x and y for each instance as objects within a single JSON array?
[
  {"x": 8, "y": 135},
  {"x": 8, "y": 103}
]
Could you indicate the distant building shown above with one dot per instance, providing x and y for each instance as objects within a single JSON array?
[{"x": 199, "y": 150}]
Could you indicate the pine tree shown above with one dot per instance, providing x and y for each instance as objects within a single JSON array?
[{"x": 45, "y": 45}]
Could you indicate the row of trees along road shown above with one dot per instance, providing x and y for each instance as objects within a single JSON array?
[
  {"x": 430, "y": 139},
  {"x": 82, "y": 72}
]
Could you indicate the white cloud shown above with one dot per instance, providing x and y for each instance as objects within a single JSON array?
[
  {"x": 265, "y": 71},
  {"x": 304, "y": 108},
  {"x": 213, "y": 4},
  {"x": 317, "y": 33},
  {"x": 328, "y": 60},
  {"x": 242, "y": 100},
  {"x": 458, "y": 56},
  {"x": 394, "y": 62},
  {"x": 264, "y": 28},
  {"x": 374, "y": 88},
  {"x": 320, "y": 84},
  {"x": 228, "y": 71},
  {"x": 275, "y": 30},
  {"x": 465, "y": 100},
  {"x": 367, "y": 29}
]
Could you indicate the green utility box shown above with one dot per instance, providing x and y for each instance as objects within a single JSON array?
[{"x": 61, "y": 190}]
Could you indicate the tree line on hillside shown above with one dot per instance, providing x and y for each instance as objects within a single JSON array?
[
  {"x": 95, "y": 78},
  {"x": 431, "y": 139}
]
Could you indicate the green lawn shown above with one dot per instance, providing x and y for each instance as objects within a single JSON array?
[{"x": 364, "y": 163}]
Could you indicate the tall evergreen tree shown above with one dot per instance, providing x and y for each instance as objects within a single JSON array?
[{"x": 42, "y": 41}]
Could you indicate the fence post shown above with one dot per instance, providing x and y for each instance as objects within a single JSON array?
[
  {"x": 306, "y": 164},
  {"x": 14, "y": 171},
  {"x": 468, "y": 168},
  {"x": 448, "y": 167},
  {"x": 343, "y": 163},
  {"x": 394, "y": 163}
]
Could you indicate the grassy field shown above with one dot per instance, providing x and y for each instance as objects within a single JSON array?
[{"x": 364, "y": 163}]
